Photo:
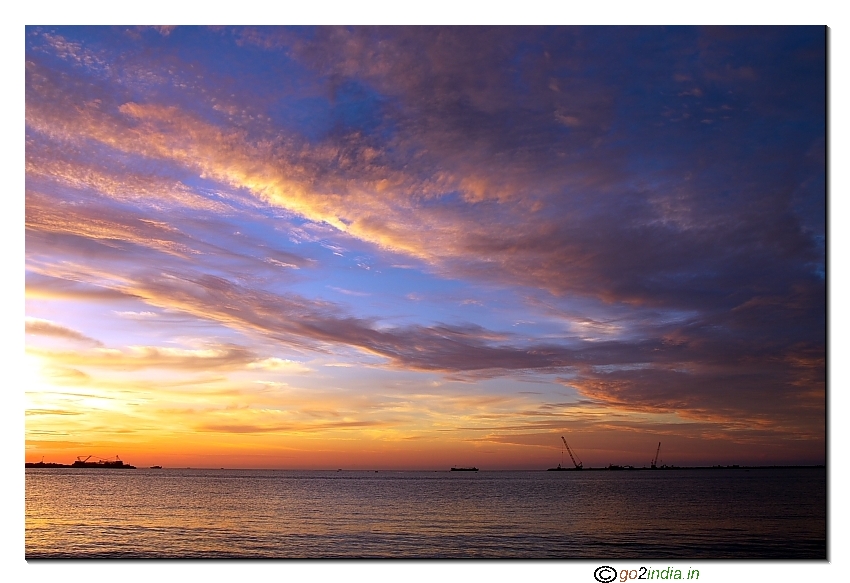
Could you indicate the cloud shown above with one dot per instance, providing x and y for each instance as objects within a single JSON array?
[
  {"x": 102, "y": 230},
  {"x": 142, "y": 357},
  {"x": 135, "y": 315},
  {"x": 46, "y": 328},
  {"x": 371, "y": 198},
  {"x": 644, "y": 375},
  {"x": 74, "y": 52},
  {"x": 349, "y": 292},
  {"x": 294, "y": 428},
  {"x": 39, "y": 412},
  {"x": 63, "y": 375},
  {"x": 65, "y": 165},
  {"x": 279, "y": 364},
  {"x": 45, "y": 287},
  {"x": 712, "y": 383},
  {"x": 680, "y": 264}
]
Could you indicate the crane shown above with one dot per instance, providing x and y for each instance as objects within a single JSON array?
[
  {"x": 577, "y": 464},
  {"x": 79, "y": 459},
  {"x": 655, "y": 461}
]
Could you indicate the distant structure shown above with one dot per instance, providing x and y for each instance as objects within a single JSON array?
[
  {"x": 578, "y": 464},
  {"x": 654, "y": 465},
  {"x": 101, "y": 463}
]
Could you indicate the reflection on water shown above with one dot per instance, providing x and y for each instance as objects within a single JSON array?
[{"x": 766, "y": 513}]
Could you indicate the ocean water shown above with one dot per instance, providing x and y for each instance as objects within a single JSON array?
[{"x": 171, "y": 513}]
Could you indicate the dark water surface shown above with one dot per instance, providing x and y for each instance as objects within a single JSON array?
[{"x": 752, "y": 514}]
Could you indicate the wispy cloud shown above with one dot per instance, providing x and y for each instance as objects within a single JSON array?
[
  {"x": 47, "y": 328},
  {"x": 138, "y": 357}
]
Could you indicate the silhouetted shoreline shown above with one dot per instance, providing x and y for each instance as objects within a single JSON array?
[
  {"x": 50, "y": 465},
  {"x": 117, "y": 465}
]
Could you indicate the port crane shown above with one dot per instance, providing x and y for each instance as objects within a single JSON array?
[
  {"x": 99, "y": 459},
  {"x": 654, "y": 465},
  {"x": 577, "y": 464}
]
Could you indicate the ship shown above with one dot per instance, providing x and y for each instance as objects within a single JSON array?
[
  {"x": 561, "y": 468},
  {"x": 464, "y": 469},
  {"x": 160, "y": 467},
  {"x": 101, "y": 463}
]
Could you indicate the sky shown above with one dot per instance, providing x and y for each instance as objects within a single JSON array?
[{"x": 419, "y": 247}]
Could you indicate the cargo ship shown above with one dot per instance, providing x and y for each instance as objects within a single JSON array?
[{"x": 464, "y": 469}]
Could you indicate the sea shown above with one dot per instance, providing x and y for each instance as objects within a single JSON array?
[{"x": 759, "y": 513}]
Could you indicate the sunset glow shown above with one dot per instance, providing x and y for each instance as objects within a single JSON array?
[{"x": 413, "y": 247}]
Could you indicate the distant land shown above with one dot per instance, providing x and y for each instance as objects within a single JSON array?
[
  {"x": 101, "y": 464},
  {"x": 121, "y": 465},
  {"x": 665, "y": 468}
]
